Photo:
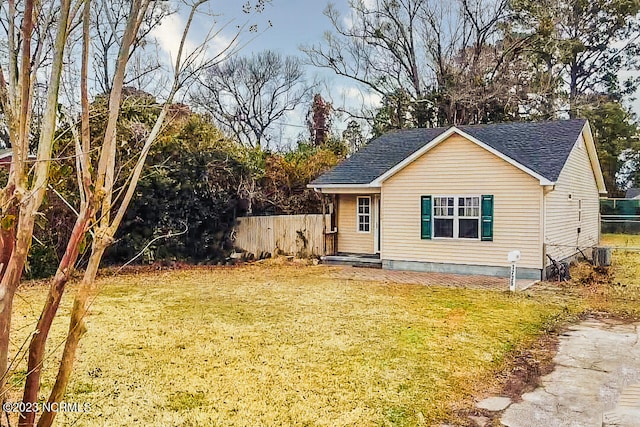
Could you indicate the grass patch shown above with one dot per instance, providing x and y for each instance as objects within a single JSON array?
[
  {"x": 620, "y": 240},
  {"x": 615, "y": 290},
  {"x": 185, "y": 401},
  {"x": 287, "y": 345}
]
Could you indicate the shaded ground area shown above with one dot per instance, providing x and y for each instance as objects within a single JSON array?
[
  {"x": 430, "y": 279},
  {"x": 595, "y": 382}
]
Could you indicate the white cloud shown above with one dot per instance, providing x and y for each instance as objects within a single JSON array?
[
  {"x": 352, "y": 97},
  {"x": 169, "y": 33},
  {"x": 347, "y": 18},
  {"x": 347, "y": 21}
]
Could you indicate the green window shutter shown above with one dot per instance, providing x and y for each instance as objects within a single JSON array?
[
  {"x": 425, "y": 217},
  {"x": 487, "y": 218}
]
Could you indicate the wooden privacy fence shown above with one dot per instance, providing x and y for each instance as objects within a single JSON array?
[{"x": 301, "y": 235}]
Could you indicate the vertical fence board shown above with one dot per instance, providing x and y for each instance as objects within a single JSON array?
[{"x": 301, "y": 235}]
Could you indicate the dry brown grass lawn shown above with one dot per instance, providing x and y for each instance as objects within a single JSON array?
[
  {"x": 286, "y": 345},
  {"x": 619, "y": 290}
]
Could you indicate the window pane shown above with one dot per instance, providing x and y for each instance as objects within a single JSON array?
[
  {"x": 469, "y": 206},
  {"x": 443, "y": 206},
  {"x": 443, "y": 203},
  {"x": 364, "y": 211},
  {"x": 442, "y": 227},
  {"x": 363, "y": 223},
  {"x": 468, "y": 229}
]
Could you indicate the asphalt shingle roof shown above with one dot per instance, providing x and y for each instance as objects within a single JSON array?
[{"x": 542, "y": 147}]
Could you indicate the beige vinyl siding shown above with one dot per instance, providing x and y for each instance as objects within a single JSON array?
[
  {"x": 349, "y": 239},
  {"x": 577, "y": 179},
  {"x": 459, "y": 167}
]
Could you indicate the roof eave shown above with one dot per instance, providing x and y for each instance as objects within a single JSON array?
[
  {"x": 345, "y": 188},
  {"x": 589, "y": 142}
]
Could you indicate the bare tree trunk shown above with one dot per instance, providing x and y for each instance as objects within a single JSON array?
[
  {"x": 26, "y": 192},
  {"x": 8, "y": 286},
  {"x": 7, "y": 235},
  {"x": 56, "y": 290},
  {"x": 77, "y": 328},
  {"x": 94, "y": 203},
  {"x": 573, "y": 92}
]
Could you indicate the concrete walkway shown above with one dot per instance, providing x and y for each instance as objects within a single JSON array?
[
  {"x": 432, "y": 279},
  {"x": 596, "y": 381}
]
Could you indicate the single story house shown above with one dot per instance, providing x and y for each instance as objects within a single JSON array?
[
  {"x": 459, "y": 199},
  {"x": 6, "y": 157}
]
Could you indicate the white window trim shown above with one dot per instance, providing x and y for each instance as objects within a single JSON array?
[
  {"x": 456, "y": 217},
  {"x": 358, "y": 214}
]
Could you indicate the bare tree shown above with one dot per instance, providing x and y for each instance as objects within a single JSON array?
[
  {"x": 379, "y": 46},
  {"x": 21, "y": 198},
  {"x": 108, "y": 20},
  {"x": 31, "y": 53},
  {"x": 247, "y": 95},
  {"x": 416, "y": 54}
]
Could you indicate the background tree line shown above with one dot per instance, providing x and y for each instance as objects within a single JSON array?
[
  {"x": 431, "y": 63},
  {"x": 197, "y": 179}
]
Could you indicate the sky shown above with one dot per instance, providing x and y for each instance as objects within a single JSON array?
[{"x": 284, "y": 26}]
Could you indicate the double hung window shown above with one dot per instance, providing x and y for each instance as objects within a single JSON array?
[
  {"x": 457, "y": 217},
  {"x": 364, "y": 214}
]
